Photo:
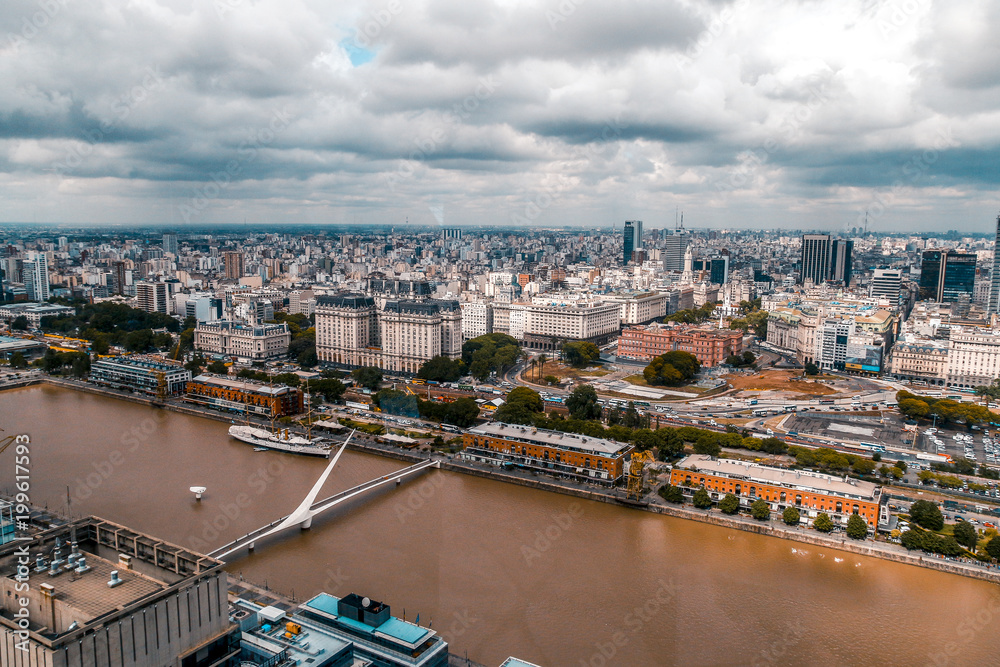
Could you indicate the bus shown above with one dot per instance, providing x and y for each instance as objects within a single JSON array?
[
  {"x": 465, "y": 387},
  {"x": 416, "y": 381},
  {"x": 790, "y": 408},
  {"x": 761, "y": 413}
]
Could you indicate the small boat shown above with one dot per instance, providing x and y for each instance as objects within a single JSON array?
[{"x": 260, "y": 449}]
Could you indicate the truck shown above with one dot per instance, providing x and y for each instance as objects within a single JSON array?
[
  {"x": 752, "y": 401},
  {"x": 933, "y": 458}
]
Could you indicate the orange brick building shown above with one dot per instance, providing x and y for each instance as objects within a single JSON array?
[
  {"x": 710, "y": 346},
  {"x": 553, "y": 452},
  {"x": 242, "y": 396},
  {"x": 810, "y": 492}
]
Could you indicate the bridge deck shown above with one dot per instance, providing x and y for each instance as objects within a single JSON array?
[{"x": 320, "y": 506}]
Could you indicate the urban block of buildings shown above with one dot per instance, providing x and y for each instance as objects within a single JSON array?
[
  {"x": 145, "y": 374},
  {"x": 243, "y": 396},
  {"x": 810, "y": 492},
  {"x": 570, "y": 455},
  {"x": 710, "y": 346},
  {"x": 247, "y": 342}
]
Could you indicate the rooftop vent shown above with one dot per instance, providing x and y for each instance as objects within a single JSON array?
[
  {"x": 54, "y": 568},
  {"x": 115, "y": 581},
  {"x": 40, "y": 564},
  {"x": 81, "y": 565},
  {"x": 125, "y": 561}
]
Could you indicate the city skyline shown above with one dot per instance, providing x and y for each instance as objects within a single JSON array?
[{"x": 542, "y": 114}]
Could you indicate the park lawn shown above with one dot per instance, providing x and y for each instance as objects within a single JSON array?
[{"x": 562, "y": 371}]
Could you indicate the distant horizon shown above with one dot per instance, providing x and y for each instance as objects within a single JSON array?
[{"x": 534, "y": 113}]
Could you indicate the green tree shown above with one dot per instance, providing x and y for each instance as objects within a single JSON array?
[
  {"x": 441, "y": 369},
  {"x": 81, "y": 365},
  {"x": 993, "y": 547},
  {"x": 101, "y": 346},
  {"x": 671, "y": 368},
  {"x": 368, "y": 377},
  {"x": 790, "y": 516},
  {"x": 582, "y": 403},
  {"x": 811, "y": 368},
  {"x": 966, "y": 535},
  {"x": 17, "y": 360},
  {"x": 521, "y": 407},
  {"x": 912, "y": 539},
  {"x": 581, "y": 353},
  {"x": 730, "y": 504},
  {"x": 823, "y": 523},
  {"x": 927, "y": 515},
  {"x": 218, "y": 367},
  {"x": 857, "y": 528},
  {"x": 707, "y": 446},
  {"x": 760, "y": 510},
  {"x": 462, "y": 412},
  {"x": 913, "y": 408},
  {"x": 672, "y": 494},
  {"x": 701, "y": 499},
  {"x": 196, "y": 364},
  {"x": 749, "y": 357},
  {"x": 20, "y": 323},
  {"x": 330, "y": 389}
]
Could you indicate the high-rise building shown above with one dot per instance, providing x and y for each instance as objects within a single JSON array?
[
  {"x": 120, "y": 277},
  {"x": 840, "y": 261},
  {"x": 886, "y": 283},
  {"x": 994, "y": 304},
  {"x": 674, "y": 247},
  {"x": 170, "y": 242},
  {"x": 629, "y": 241},
  {"x": 36, "y": 276},
  {"x": 452, "y": 233},
  {"x": 234, "y": 265},
  {"x": 816, "y": 254},
  {"x": 151, "y": 297},
  {"x": 945, "y": 275}
]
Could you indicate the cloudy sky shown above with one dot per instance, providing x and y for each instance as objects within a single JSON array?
[{"x": 749, "y": 113}]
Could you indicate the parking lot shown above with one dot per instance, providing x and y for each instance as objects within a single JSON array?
[{"x": 976, "y": 445}]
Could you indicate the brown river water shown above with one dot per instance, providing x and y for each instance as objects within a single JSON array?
[{"x": 499, "y": 569}]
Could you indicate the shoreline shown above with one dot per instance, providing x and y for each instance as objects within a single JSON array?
[{"x": 772, "y": 528}]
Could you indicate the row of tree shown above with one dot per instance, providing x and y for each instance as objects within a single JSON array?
[
  {"x": 461, "y": 412},
  {"x": 944, "y": 409},
  {"x": 857, "y": 528}
]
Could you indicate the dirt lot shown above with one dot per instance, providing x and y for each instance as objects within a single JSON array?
[
  {"x": 779, "y": 381},
  {"x": 562, "y": 371}
]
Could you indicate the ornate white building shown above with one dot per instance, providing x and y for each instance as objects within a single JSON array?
[{"x": 352, "y": 331}]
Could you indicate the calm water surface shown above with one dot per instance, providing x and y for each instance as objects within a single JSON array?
[{"x": 499, "y": 569}]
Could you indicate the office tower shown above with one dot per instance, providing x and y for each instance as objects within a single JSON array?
[
  {"x": 994, "y": 303},
  {"x": 816, "y": 251},
  {"x": 840, "y": 261},
  {"x": 719, "y": 270},
  {"x": 119, "y": 277},
  {"x": 637, "y": 243},
  {"x": 453, "y": 233},
  {"x": 945, "y": 275},
  {"x": 170, "y": 242},
  {"x": 36, "y": 276},
  {"x": 886, "y": 283},
  {"x": 628, "y": 237},
  {"x": 234, "y": 265},
  {"x": 674, "y": 247},
  {"x": 151, "y": 297}
]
